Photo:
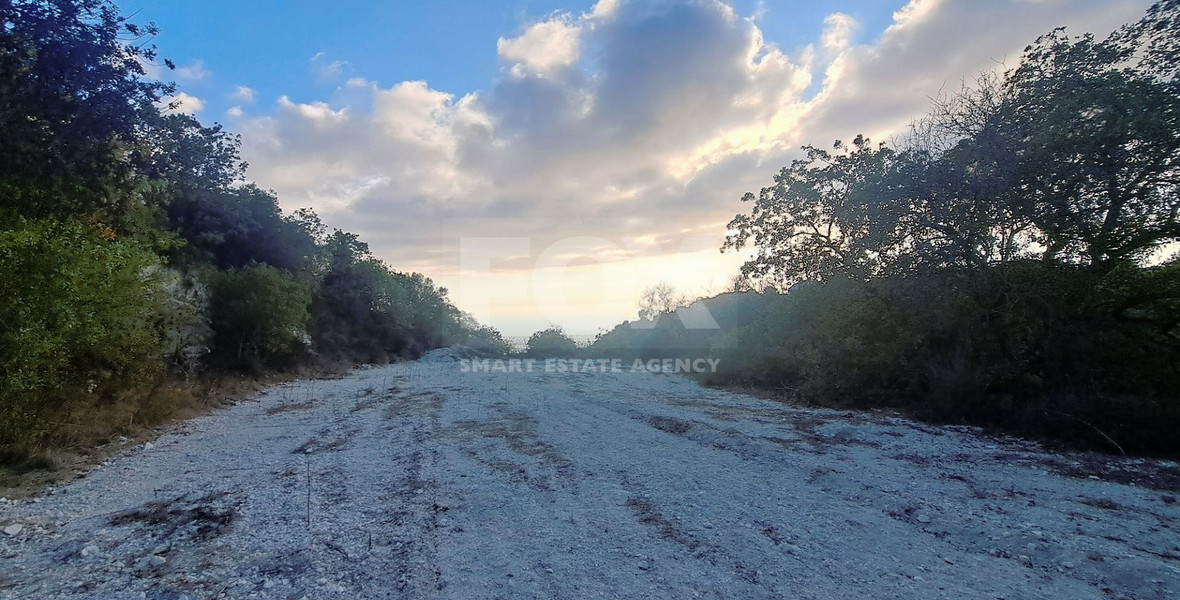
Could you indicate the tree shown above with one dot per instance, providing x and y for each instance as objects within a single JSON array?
[
  {"x": 177, "y": 150},
  {"x": 366, "y": 311},
  {"x": 660, "y": 298},
  {"x": 78, "y": 315},
  {"x": 1156, "y": 40},
  {"x": 956, "y": 213},
  {"x": 1093, "y": 132},
  {"x": 259, "y": 316},
  {"x": 234, "y": 227},
  {"x": 1084, "y": 135},
  {"x": 830, "y": 213},
  {"x": 742, "y": 282},
  {"x": 484, "y": 338},
  {"x": 1073, "y": 155},
  {"x": 71, "y": 96}
]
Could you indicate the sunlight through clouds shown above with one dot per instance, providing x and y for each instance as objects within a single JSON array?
[{"x": 634, "y": 119}]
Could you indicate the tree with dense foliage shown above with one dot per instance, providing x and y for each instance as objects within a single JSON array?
[
  {"x": 484, "y": 338},
  {"x": 1074, "y": 155},
  {"x": 995, "y": 266},
  {"x": 1094, "y": 143},
  {"x": 828, "y": 213},
  {"x": 260, "y": 316},
  {"x": 77, "y": 317},
  {"x": 71, "y": 95},
  {"x": 129, "y": 231}
]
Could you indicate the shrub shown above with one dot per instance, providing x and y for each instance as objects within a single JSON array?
[
  {"x": 1043, "y": 350},
  {"x": 686, "y": 331},
  {"x": 487, "y": 340},
  {"x": 78, "y": 315},
  {"x": 552, "y": 341},
  {"x": 259, "y": 316}
]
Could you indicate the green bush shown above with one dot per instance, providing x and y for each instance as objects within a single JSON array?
[
  {"x": 551, "y": 342},
  {"x": 1044, "y": 350},
  {"x": 259, "y": 316},
  {"x": 485, "y": 338},
  {"x": 364, "y": 311},
  {"x": 78, "y": 315}
]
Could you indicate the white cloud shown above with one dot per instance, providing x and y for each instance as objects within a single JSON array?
[
  {"x": 412, "y": 112},
  {"x": 878, "y": 89},
  {"x": 838, "y": 30},
  {"x": 544, "y": 48},
  {"x": 243, "y": 94},
  {"x": 603, "y": 9},
  {"x": 192, "y": 73},
  {"x": 318, "y": 114},
  {"x": 636, "y": 120}
]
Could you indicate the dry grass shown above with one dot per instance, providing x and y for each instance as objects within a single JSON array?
[{"x": 91, "y": 429}]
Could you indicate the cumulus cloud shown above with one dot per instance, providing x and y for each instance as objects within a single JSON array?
[
  {"x": 639, "y": 124},
  {"x": 931, "y": 46},
  {"x": 838, "y": 30},
  {"x": 544, "y": 48}
]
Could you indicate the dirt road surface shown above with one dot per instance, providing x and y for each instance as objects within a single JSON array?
[{"x": 421, "y": 481}]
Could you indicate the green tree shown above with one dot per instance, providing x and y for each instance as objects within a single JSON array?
[
  {"x": 259, "y": 316},
  {"x": 484, "y": 338},
  {"x": 71, "y": 96},
  {"x": 1073, "y": 155},
  {"x": 177, "y": 150},
  {"x": 1093, "y": 133}
]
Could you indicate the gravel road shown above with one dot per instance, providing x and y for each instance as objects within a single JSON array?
[{"x": 421, "y": 481}]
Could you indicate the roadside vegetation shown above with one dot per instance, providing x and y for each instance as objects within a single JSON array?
[
  {"x": 1011, "y": 262},
  {"x": 140, "y": 271}
]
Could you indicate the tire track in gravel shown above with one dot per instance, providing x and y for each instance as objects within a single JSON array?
[
  {"x": 426, "y": 482},
  {"x": 845, "y": 487},
  {"x": 391, "y": 548}
]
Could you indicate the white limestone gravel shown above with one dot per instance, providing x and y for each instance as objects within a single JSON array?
[{"x": 419, "y": 480}]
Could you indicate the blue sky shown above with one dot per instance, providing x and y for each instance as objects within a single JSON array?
[
  {"x": 548, "y": 160},
  {"x": 267, "y": 45}
]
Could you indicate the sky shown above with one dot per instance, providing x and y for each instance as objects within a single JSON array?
[{"x": 547, "y": 160}]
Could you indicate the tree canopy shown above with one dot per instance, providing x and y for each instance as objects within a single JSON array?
[
  {"x": 1072, "y": 156},
  {"x": 127, "y": 228}
]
